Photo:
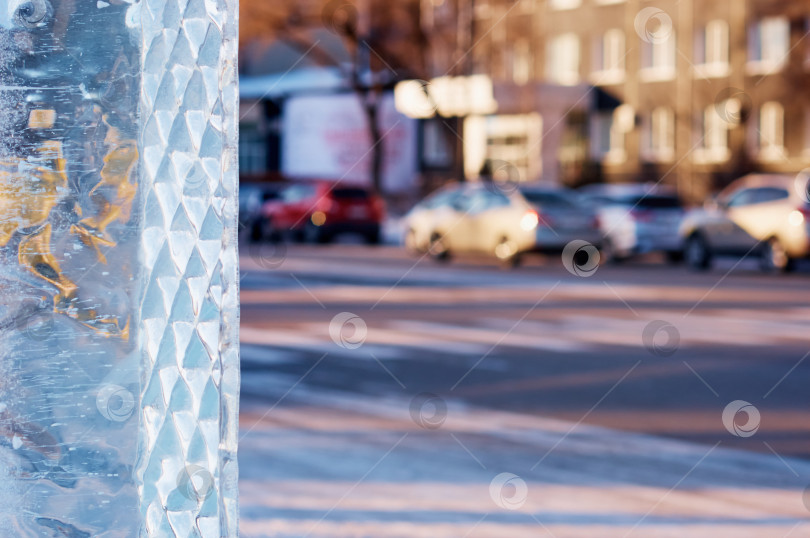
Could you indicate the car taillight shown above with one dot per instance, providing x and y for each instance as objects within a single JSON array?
[
  {"x": 530, "y": 221},
  {"x": 326, "y": 205}
]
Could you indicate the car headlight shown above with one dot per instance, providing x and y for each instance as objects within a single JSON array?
[{"x": 530, "y": 221}]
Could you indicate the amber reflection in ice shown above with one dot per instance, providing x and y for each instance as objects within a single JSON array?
[{"x": 30, "y": 188}]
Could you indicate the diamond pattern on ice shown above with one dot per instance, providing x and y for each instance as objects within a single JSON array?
[{"x": 188, "y": 399}]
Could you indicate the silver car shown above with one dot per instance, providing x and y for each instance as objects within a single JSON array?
[
  {"x": 637, "y": 219},
  {"x": 763, "y": 215},
  {"x": 505, "y": 222}
]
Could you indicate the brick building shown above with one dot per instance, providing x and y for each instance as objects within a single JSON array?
[{"x": 691, "y": 93}]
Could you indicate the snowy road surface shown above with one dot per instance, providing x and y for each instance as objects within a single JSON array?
[{"x": 485, "y": 403}]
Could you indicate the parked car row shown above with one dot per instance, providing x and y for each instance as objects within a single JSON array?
[
  {"x": 508, "y": 224},
  {"x": 764, "y": 215},
  {"x": 636, "y": 219},
  {"x": 767, "y": 216},
  {"x": 311, "y": 211}
]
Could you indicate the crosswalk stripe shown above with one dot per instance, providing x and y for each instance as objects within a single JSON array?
[{"x": 569, "y": 333}]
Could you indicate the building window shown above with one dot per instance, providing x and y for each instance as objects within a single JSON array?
[
  {"x": 252, "y": 151},
  {"x": 658, "y": 59},
  {"x": 661, "y": 135},
  {"x": 437, "y": 148},
  {"x": 515, "y": 139},
  {"x": 711, "y": 50},
  {"x": 607, "y": 140},
  {"x": 713, "y": 131},
  {"x": 564, "y": 4},
  {"x": 768, "y": 45},
  {"x": 562, "y": 61},
  {"x": 608, "y": 58},
  {"x": 771, "y": 132},
  {"x": 521, "y": 63}
]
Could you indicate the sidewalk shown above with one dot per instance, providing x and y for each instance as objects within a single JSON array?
[{"x": 337, "y": 465}]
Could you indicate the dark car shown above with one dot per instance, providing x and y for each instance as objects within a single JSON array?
[
  {"x": 319, "y": 211},
  {"x": 251, "y": 198}
]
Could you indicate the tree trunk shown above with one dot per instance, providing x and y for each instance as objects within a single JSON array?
[{"x": 372, "y": 108}]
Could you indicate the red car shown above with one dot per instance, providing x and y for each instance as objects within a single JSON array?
[{"x": 318, "y": 211}]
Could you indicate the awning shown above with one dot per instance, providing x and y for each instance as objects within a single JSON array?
[
  {"x": 541, "y": 97},
  {"x": 297, "y": 81}
]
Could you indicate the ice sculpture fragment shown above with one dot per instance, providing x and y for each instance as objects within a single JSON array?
[{"x": 118, "y": 268}]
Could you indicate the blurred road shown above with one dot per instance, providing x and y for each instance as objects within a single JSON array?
[{"x": 604, "y": 396}]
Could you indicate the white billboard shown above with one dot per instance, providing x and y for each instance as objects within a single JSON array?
[{"x": 326, "y": 137}]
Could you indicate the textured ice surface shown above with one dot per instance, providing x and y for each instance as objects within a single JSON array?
[
  {"x": 118, "y": 319},
  {"x": 190, "y": 317},
  {"x": 69, "y": 245}
]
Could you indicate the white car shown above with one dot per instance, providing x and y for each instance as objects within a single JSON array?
[
  {"x": 505, "y": 222},
  {"x": 762, "y": 215},
  {"x": 637, "y": 219}
]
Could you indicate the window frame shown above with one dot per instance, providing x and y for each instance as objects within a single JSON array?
[
  {"x": 253, "y": 149},
  {"x": 712, "y": 50},
  {"x": 521, "y": 62},
  {"x": 713, "y": 147},
  {"x": 610, "y": 50},
  {"x": 571, "y": 75},
  {"x": 614, "y": 151},
  {"x": 763, "y": 59},
  {"x": 771, "y": 135},
  {"x": 652, "y": 54},
  {"x": 660, "y": 140}
]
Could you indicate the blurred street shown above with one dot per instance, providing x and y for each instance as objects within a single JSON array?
[
  {"x": 397, "y": 421},
  {"x": 388, "y": 394}
]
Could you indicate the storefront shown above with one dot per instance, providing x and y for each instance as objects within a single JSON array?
[{"x": 310, "y": 124}]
